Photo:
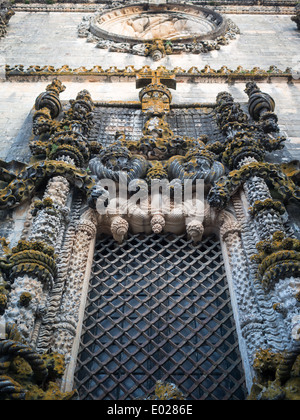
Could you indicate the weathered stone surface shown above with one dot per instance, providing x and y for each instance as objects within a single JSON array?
[{"x": 32, "y": 39}]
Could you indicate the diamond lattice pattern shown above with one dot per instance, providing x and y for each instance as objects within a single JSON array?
[{"x": 159, "y": 309}]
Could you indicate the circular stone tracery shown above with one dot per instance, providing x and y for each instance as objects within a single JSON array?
[
  {"x": 144, "y": 22},
  {"x": 158, "y": 30}
]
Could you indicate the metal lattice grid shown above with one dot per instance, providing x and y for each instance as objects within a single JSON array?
[
  {"x": 188, "y": 122},
  {"x": 159, "y": 309}
]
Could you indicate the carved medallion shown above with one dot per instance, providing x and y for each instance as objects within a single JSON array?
[{"x": 158, "y": 30}]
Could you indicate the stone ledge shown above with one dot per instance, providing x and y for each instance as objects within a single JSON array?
[
  {"x": 113, "y": 74},
  {"x": 282, "y": 7}
]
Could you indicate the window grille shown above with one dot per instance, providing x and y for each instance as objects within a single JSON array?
[
  {"x": 159, "y": 309},
  {"x": 188, "y": 122}
]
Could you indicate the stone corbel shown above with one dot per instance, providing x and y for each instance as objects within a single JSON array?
[
  {"x": 195, "y": 230},
  {"x": 119, "y": 228}
]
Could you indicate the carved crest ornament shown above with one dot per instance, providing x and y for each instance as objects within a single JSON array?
[
  {"x": 45, "y": 276},
  {"x": 157, "y": 30}
]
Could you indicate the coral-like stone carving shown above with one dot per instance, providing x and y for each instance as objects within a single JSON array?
[
  {"x": 116, "y": 163},
  {"x": 296, "y": 18},
  {"x": 68, "y": 137},
  {"x": 49, "y": 100},
  {"x": 6, "y": 13},
  {"x": 22, "y": 185},
  {"x": 276, "y": 265},
  {"x": 227, "y": 186},
  {"x": 261, "y": 108},
  {"x": 278, "y": 258},
  {"x": 25, "y": 374},
  {"x": 66, "y": 321},
  {"x": 196, "y": 164}
]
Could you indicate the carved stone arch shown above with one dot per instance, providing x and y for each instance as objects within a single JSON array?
[{"x": 221, "y": 223}]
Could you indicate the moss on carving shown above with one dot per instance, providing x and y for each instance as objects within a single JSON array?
[
  {"x": 227, "y": 186},
  {"x": 156, "y": 171},
  {"x": 267, "y": 384},
  {"x": 52, "y": 393},
  {"x": 26, "y": 375},
  {"x": 267, "y": 204},
  {"x": 25, "y": 299},
  {"x": 3, "y": 302},
  {"x": 277, "y": 258},
  {"x": 35, "y": 257},
  {"x": 24, "y": 184},
  {"x": 166, "y": 391},
  {"x": 55, "y": 364}
]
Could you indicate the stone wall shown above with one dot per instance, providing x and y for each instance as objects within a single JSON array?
[
  {"x": 45, "y": 38},
  {"x": 51, "y": 39}
]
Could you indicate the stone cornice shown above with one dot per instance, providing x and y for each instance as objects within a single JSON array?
[
  {"x": 20, "y": 73},
  {"x": 282, "y": 7}
]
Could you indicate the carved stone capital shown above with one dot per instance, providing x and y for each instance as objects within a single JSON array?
[
  {"x": 228, "y": 225},
  {"x": 87, "y": 227}
]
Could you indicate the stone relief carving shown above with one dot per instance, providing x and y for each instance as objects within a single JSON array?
[
  {"x": 159, "y": 26},
  {"x": 46, "y": 274},
  {"x": 158, "y": 30}
]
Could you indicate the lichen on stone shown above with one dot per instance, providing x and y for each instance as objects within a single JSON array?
[{"x": 166, "y": 391}]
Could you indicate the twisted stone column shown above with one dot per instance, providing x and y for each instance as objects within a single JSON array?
[
  {"x": 28, "y": 298},
  {"x": 67, "y": 321},
  {"x": 267, "y": 221},
  {"x": 247, "y": 144}
]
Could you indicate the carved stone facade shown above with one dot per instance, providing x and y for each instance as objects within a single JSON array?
[{"x": 234, "y": 177}]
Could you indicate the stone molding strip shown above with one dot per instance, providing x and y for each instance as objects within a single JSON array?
[
  {"x": 280, "y": 9},
  {"x": 20, "y": 73}
]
